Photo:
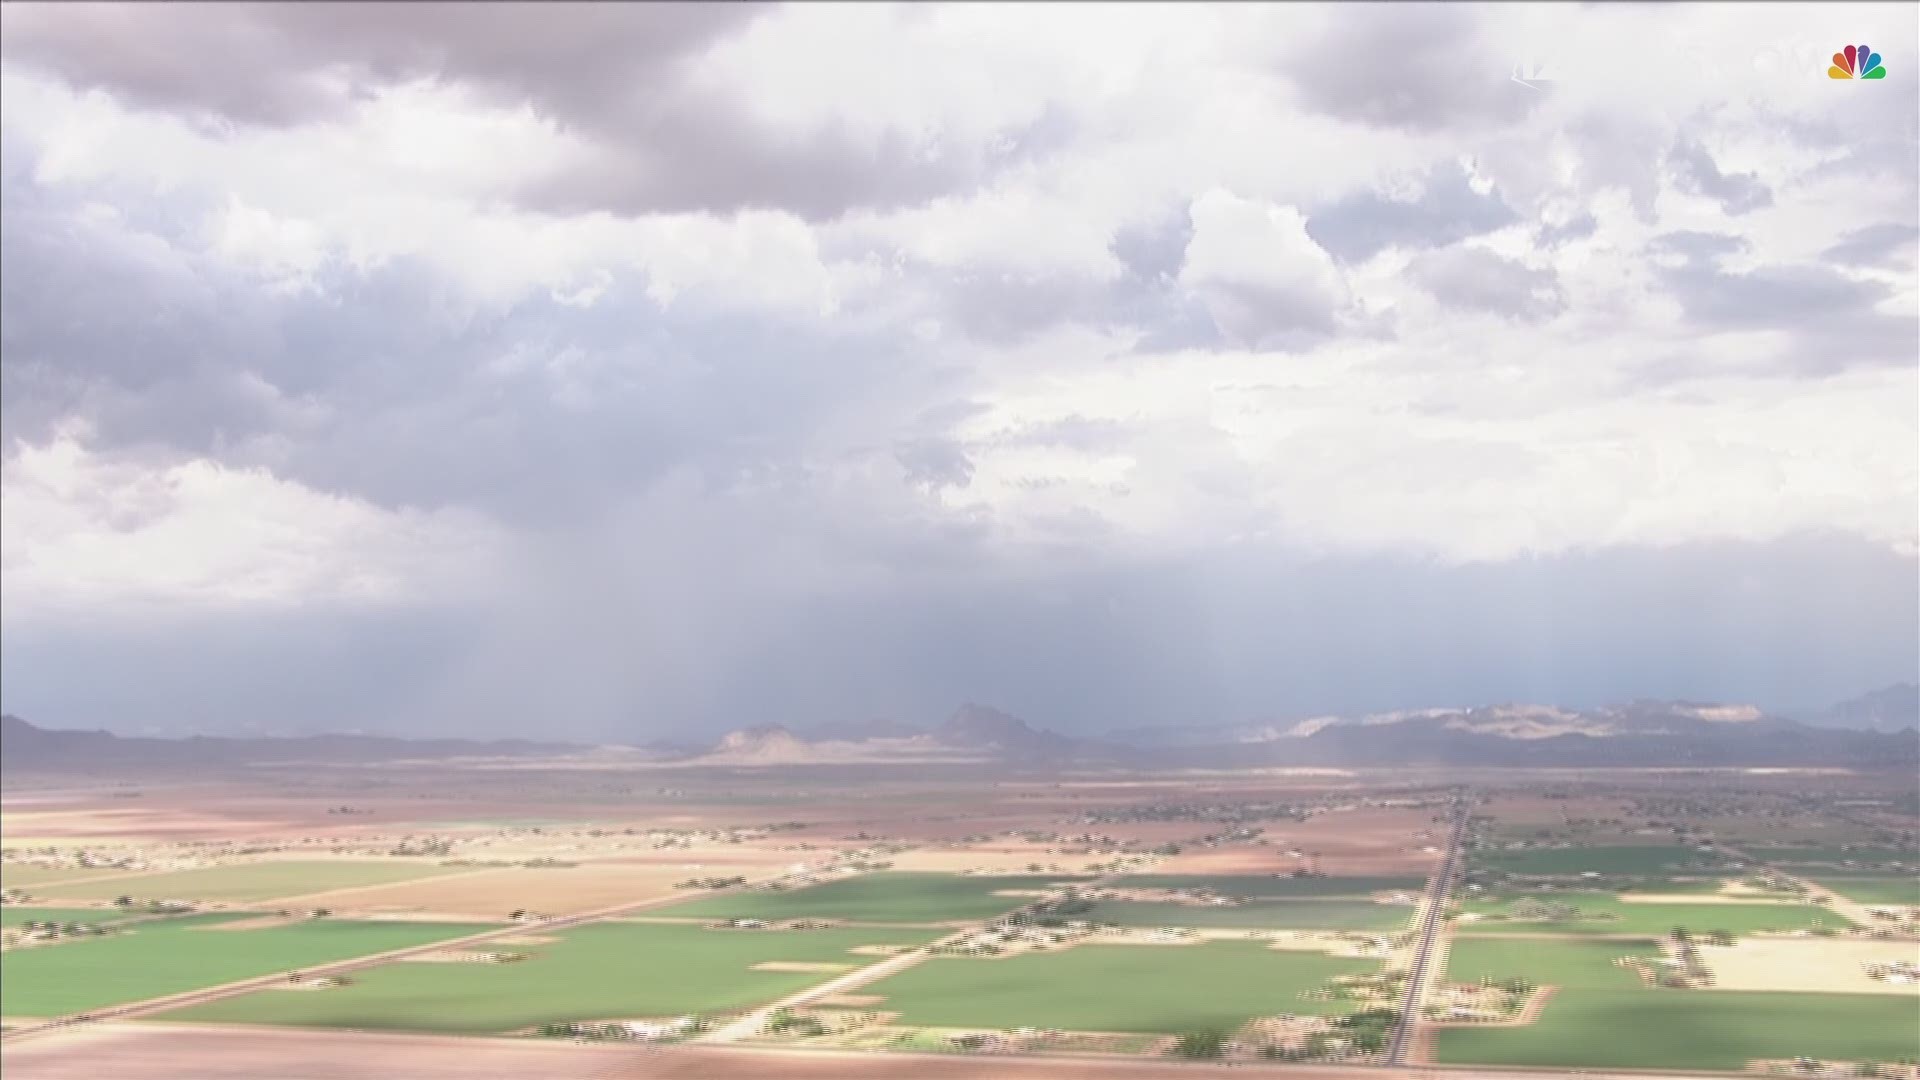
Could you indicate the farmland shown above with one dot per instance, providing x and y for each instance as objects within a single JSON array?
[
  {"x": 1260, "y": 915},
  {"x": 15, "y": 915},
  {"x": 169, "y": 956},
  {"x": 28, "y": 876},
  {"x": 883, "y": 897},
  {"x": 1603, "y": 913},
  {"x": 1268, "y": 886},
  {"x": 1899, "y": 891},
  {"x": 593, "y": 972},
  {"x": 248, "y": 881},
  {"x": 1596, "y": 1001},
  {"x": 1149, "y": 988},
  {"x": 1570, "y": 861}
]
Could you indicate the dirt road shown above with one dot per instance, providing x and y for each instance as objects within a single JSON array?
[{"x": 165, "y": 1051}]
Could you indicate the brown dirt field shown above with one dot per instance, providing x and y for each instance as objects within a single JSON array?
[
  {"x": 492, "y": 894},
  {"x": 850, "y": 1001},
  {"x": 448, "y": 956},
  {"x": 992, "y": 860},
  {"x": 262, "y": 923},
  {"x": 1365, "y": 842},
  {"x": 801, "y": 966},
  {"x": 1819, "y": 965}
]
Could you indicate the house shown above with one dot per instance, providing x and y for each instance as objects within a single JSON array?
[{"x": 649, "y": 1030}]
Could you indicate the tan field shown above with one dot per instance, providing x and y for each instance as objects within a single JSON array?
[
  {"x": 988, "y": 860},
  {"x": 1820, "y": 965},
  {"x": 492, "y": 894}
]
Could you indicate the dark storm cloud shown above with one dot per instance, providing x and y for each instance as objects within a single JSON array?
[
  {"x": 1697, "y": 173},
  {"x": 1886, "y": 244},
  {"x": 367, "y": 386},
  {"x": 613, "y": 74},
  {"x": 1479, "y": 280},
  {"x": 1363, "y": 224},
  {"x": 1220, "y": 637},
  {"x": 1433, "y": 73}
]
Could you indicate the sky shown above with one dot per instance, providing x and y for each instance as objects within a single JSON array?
[{"x": 618, "y": 372}]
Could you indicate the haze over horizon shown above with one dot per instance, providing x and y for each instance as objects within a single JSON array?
[{"x": 666, "y": 369}]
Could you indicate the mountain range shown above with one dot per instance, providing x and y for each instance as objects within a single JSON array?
[{"x": 1881, "y": 728}]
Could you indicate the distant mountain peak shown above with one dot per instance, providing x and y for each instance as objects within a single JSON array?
[
  {"x": 764, "y": 741},
  {"x": 1890, "y": 708},
  {"x": 984, "y": 727}
]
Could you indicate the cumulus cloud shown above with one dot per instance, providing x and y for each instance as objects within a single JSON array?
[
  {"x": 84, "y": 529},
  {"x": 1262, "y": 277}
]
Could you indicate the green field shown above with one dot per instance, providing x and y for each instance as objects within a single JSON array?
[
  {"x": 1833, "y": 855},
  {"x": 1570, "y": 964},
  {"x": 1257, "y": 887},
  {"x": 1626, "y": 859},
  {"x": 1259, "y": 915},
  {"x": 1601, "y": 1016},
  {"x": 169, "y": 956},
  {"x": 13, "y": 915},
  {"x": 1604, "y": 913},
  {"x": 1150, "y": 988},
  {"x": 887, "y": 897},
  {"x": 1902, "y": 891},
  {"x": 602, "y": 971},
  {"x": 249, "y": 881}
]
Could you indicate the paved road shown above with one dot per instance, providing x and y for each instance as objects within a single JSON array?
[{"x": 1431, "y": 916}]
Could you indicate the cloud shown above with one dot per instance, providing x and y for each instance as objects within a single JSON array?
[
  {"x": 1418, "y": 66},
  {"x": 1830, "y": 319},
  {"x": 902, "y": 355},
  {"x": 1262, "y": 277},
  {"x": 1446, "y": 210},
  {"x": 84, "y": 529},
  {"x": 1698, "y": 174},
  {"x": 1889, "y": 244},
  {"x": 1479, "y": 280}
]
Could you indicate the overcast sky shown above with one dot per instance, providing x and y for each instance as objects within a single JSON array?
[{"x": 610, "y": 372}]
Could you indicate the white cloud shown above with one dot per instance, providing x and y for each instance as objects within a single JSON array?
[
  {"x": 1258, "y": 271},
  {"x": 91, "y": 529}
]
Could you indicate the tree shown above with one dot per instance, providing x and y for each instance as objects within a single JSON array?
[{"x": 1200, "y": 1045}]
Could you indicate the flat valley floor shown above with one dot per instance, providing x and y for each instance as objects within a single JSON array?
[{"x": 580, "y": 919}]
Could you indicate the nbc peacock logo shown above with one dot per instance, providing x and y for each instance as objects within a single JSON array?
[{"x": 1856, "y": 62}]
